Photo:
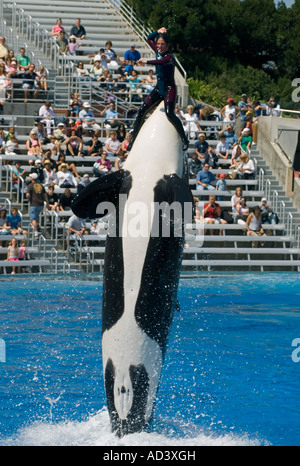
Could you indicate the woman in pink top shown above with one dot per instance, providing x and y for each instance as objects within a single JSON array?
[
  {"x": 56, "y": 28},
  {"x": 12, "y": 252}
]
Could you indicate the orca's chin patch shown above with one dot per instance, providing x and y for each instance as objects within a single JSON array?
[{"x": 127, "y": 404}]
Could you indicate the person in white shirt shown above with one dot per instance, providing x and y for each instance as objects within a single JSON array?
[
  {"x": 47, "y": 115},
  {"x": 65, "y": 178}
]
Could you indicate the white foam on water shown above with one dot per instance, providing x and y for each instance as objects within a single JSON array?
[{"x": 95, "y": 431}]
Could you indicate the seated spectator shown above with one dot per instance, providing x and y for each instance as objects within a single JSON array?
[
  {"x": 135, "y": 86},
  {"x": 57, "y": 28},
  {"x": 235, "y": 156},
  {"x": 78, "y": 30},
  {"x": 10, "y": 133},
  {"x": 12, "y": 253},
  {"x": 87, "y": 118},
  {"x": 30, "y": 82},
  {"x": 246, "y": 168},
  {"x": 254, "y": 225},
  {"x": 2, "y": 141},
  {"x": 121, "y": 132},
  {"x": 242, "y": 211},
  {"x": 82, "y": 73},
  {"x": 4, "y": 228},
  {"x": 102, "y": 166},
  {"x": 212, "y": 214},
  {"x": 76, "y": 227},
  {"x": 3, "y": 48},
  {"x": 12, "y": 68},
  {"x": 47, "y": 115},
  {"x": 74, "y": 144},
  {"x": 110, "y": 115},
  {"x": 94, "y": 146},
  {"x": 73, "y": 46},
  {"x": 112, "y": 144},
  {"x": 41, "y": 132},
  {"x": 96, "y": 71},
  {"x": 150, "y": 81},
  {"x": 65, "y": 177},
  {"x": 132, "y": 55},
  {"x": 52, "y": 198},
  {"x": 60, "y": 134},
  {"x": 236, "y": 199},
  {"x": 50, "y": 176},
  {"x": 120, "y": 160},
  {"x": 195, "y": 166},
  {"x": 222, "y": 148},
  {"x": 14, "y": 223},
  {"x": 66, "y": 199},
  {"x": 111, "y": 54},
  {"x": 84, "y": 182},
  {"x": 33, "y": 144},
  {"x": 245, "y": 140},
  {"x": 205, "y": 179},
  {"x": 125, "y": 143},
  {"x": 121, "y": 87},
  {"x": 102, "y": 58},
  {"x": 230, "y": 136},
  {"x": 62, "y": 42},
  {"x": 23, "y": 60},
  {"x": 221, "y": 186},
  {"x": 201, "y": 146},
  {"x": 75, "y": 100},
  {"x": 43, "y": 78},
  {"x": 62, "y": 159},
  {"x": 191, "y": 123},
  {"x": 12, "y": 146},
  {"x": 267, "y": 215},
  {"x": 38, "y": 170},
  {"x": 211, "y": 157}
]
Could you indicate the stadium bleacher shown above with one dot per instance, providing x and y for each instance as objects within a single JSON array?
[{"x": 26, "y": 24}]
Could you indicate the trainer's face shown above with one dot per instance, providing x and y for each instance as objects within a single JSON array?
[{"x": 162, "y": 45}]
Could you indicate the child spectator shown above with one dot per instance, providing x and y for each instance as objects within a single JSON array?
[
  {"x": 73, "y": 46},
  {"x": 221, "y": 186},
  {"x": 12, "y": 253},
  {"x": 22, "y": 254}
]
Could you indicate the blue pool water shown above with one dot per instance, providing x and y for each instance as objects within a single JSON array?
[{"x": 229, "y": 377}]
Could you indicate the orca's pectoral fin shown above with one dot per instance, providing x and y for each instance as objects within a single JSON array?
[{"x": 104, "y": 189}]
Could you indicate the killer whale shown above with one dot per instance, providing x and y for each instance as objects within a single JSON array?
[{"x": 141, "y": 272}]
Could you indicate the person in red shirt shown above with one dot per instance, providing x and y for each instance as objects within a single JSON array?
[{"x": 212, "y": 213}]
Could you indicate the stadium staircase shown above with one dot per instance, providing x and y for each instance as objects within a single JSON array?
[{"x": 25, "y": 23}]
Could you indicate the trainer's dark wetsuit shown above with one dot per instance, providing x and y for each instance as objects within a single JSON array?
[{"x": 164, "y": 90}]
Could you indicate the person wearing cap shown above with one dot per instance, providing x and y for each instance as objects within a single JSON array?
[
  {"x": 87, "y": 118},
  {"x": 36, "y": 195},
  {"x": 221, "y": 186},
  {"x": 50, "y": 176},
  {"x": 66, "y": 179},
  {"x": 38, "y": 169},
  {"x": 132, "y": 55},
  {"x": 245, "y": 140},
  {"x": 230, "y": 109},
  {"x": 85, "y": 181},
  {"x": 243, "y": 109}
]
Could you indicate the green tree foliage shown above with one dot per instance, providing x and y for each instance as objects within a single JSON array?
[{"x": 236, "y": 45}]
